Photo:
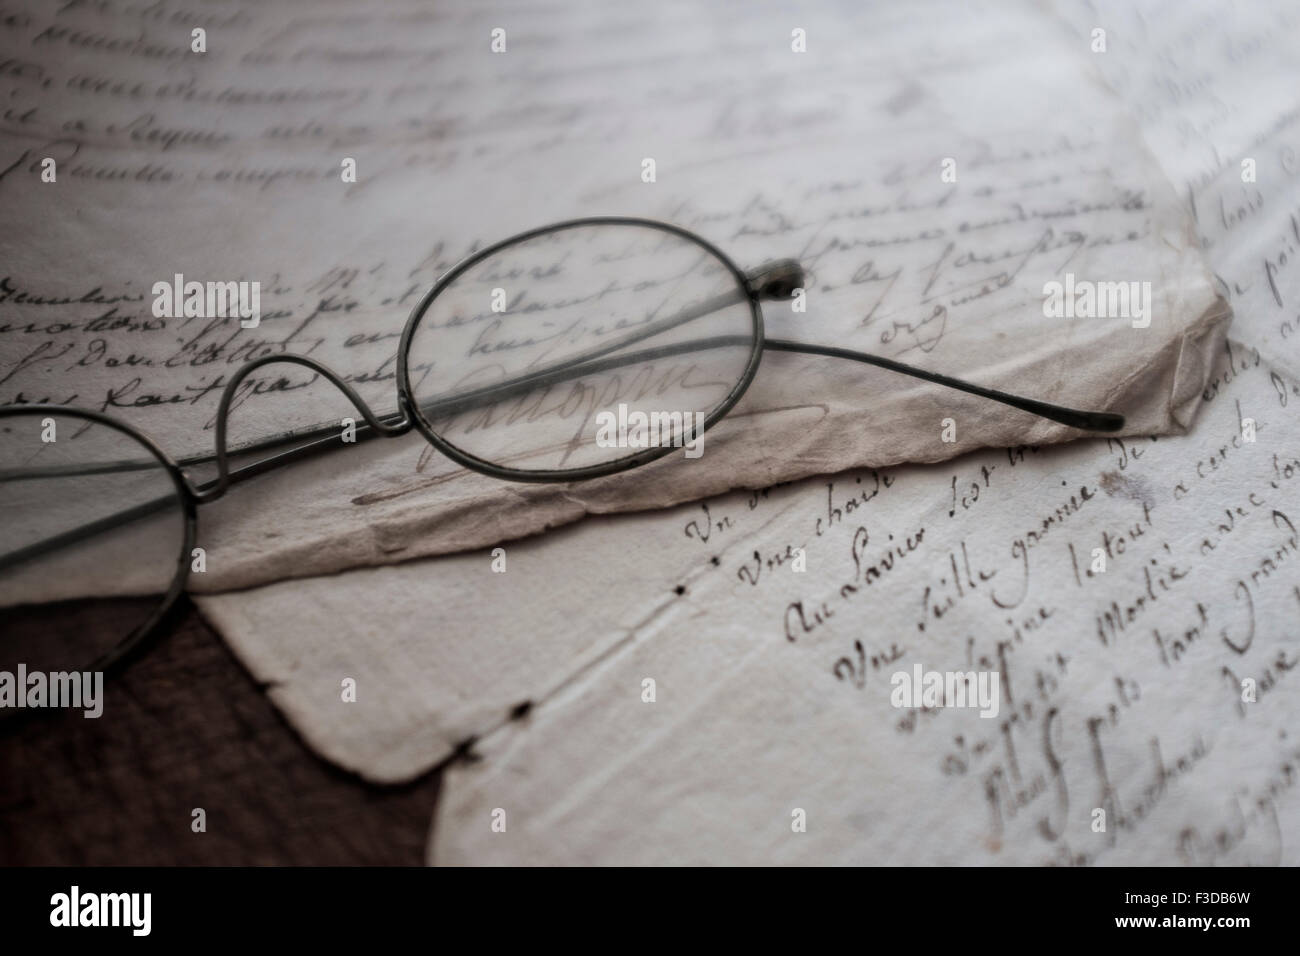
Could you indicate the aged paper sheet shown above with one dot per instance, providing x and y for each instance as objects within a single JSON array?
[
  {"x": 928, "y": 189},
  {"x": 1121, "y": 690}
]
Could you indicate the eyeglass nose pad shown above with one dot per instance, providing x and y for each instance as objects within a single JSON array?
[{"x": 776, "y": 280}]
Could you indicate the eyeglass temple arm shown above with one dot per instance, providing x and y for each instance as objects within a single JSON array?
[
  {"x": 1075, "y": 418},
  {"x": 779, "y": 279}
]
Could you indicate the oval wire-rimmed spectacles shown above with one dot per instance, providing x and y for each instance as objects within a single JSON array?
[{"x": 484, "y": 407}]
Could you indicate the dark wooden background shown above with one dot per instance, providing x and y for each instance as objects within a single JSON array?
[{"x": 185, "y": 726}]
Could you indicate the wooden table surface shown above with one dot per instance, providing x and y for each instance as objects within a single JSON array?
[{"x": 186, "y": 726}]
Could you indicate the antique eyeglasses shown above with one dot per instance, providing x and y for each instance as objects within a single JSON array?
[{"x": 509, "y": 365}]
